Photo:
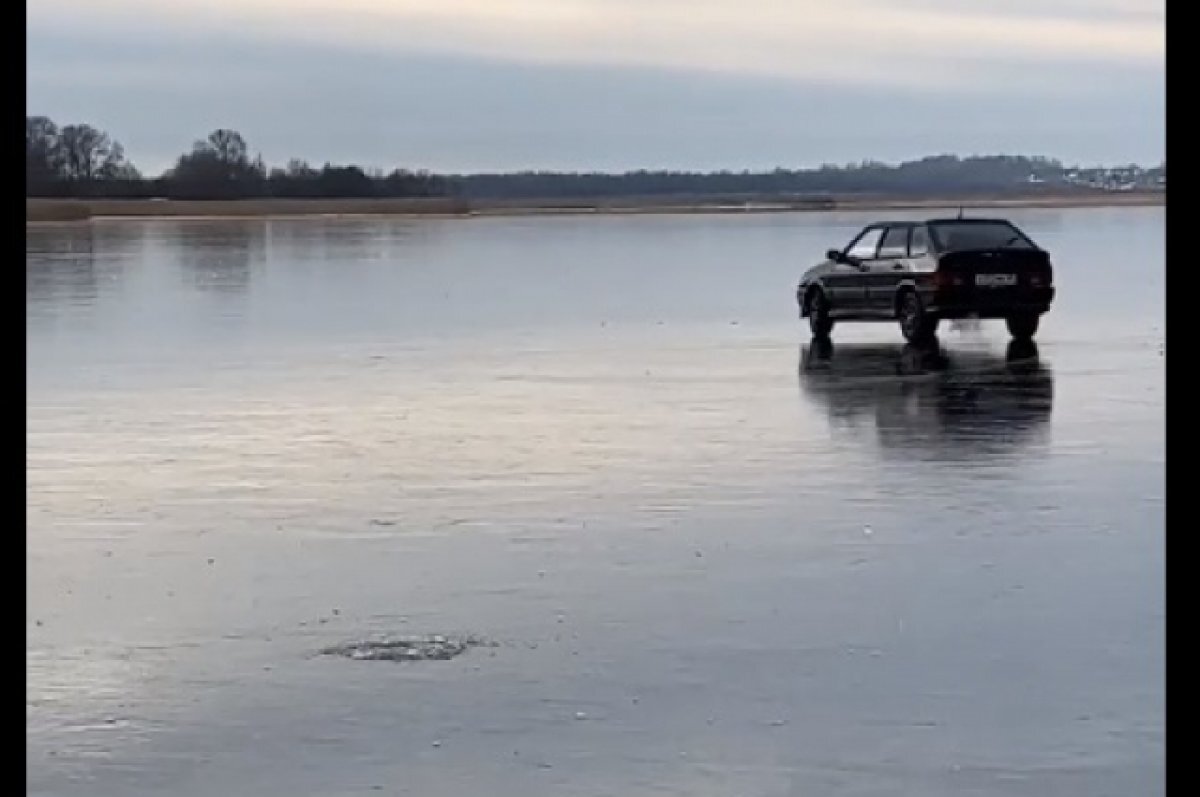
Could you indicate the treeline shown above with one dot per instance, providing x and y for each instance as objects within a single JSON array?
[
  {"x": 935, "y": 175},
  {"x": 81, "y": 161},
  {"x": 74, "y": 155}
]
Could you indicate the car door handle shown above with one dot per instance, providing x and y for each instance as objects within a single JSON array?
[{"x": 897, "y": 268}]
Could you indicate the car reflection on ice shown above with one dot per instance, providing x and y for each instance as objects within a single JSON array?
[{"x": 927, "y": 402}]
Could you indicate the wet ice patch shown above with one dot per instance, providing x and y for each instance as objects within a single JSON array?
[{"x": 431, "y": 647}]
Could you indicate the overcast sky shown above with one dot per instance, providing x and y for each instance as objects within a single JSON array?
[{"x": 464, "y": 85}]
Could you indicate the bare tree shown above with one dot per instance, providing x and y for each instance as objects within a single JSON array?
[
  {"x": 88, "y": 153},
  {"x": 229, "y": 146},
  {"x": 43, "y": 154},
  {"x": 219, "y": 167}
]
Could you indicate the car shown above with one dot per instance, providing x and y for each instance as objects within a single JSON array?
[{"x": 921, "y": 272}]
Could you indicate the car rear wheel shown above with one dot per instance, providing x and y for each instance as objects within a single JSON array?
[
  {"x": 818, "y": 315},
  {"x": 916, "y": 325},
  {"x": 1022, "y": 327}
]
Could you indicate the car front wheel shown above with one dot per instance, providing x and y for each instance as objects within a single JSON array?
[
  {"x": 1022, "y": 327},
  {"x": 916, "y": 325},
  {"x": 818, "y": 315}
]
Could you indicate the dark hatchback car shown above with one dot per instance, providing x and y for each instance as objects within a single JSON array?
[{"x": 920, "y": 272}]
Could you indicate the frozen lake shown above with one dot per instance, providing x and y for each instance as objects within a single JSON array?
[{"x": 709, "y": 558}]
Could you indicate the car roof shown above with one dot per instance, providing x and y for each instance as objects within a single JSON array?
[
  {"x": 907, "y": 223},
  {"x": 940, "y": 220},
  {"x": 966, "y": 220}
]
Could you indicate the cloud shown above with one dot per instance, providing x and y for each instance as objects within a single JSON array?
[
  {"x": 837, "y": 41},
  {"x": 611, "y": 84},
  {"x": 338, "y": 103}
]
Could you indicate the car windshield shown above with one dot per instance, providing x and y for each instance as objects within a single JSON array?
[{"x": 952, "y": 236}]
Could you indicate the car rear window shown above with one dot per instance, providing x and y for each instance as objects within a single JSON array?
[{"x": 956, "y": 236}]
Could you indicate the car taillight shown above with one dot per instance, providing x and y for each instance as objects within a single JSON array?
[
  {"x": 945, "y": 279},
  {"x": 1040, "y": 279}
]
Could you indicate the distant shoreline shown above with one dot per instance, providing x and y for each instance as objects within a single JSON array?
[{"x": 42, "y": 211}]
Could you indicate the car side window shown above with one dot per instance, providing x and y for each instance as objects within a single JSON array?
[
  {"x": 919, "y": 243},
  {"x": 864, "y": 246},
  {"x": 895, "y": 242}
]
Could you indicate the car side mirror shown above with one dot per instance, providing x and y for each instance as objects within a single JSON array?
[{"x": 835, "y": 256}]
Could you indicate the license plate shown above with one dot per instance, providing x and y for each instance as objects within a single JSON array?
[{"x": 995, "y": 280}]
